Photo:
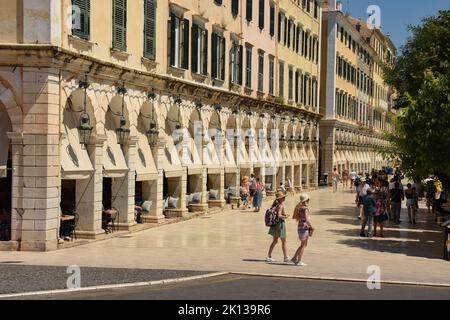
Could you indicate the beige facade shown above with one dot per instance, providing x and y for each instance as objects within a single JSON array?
[
  {"x": 178, "y": 64},
  {"x": 357, "y": 102}
]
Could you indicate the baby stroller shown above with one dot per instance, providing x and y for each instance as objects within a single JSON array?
[{"x": 243, "y": 193}]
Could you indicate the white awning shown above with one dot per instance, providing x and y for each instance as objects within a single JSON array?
[
  {"x": 267, "y": 155},
  {"x": 287, "y": 156},
  {"x": 230, "y": 169},
  {"x": 296, "y": 156},
  {"x": 4, "y": 142},
  {"x": 337, "y": 158},
  {"x": 145, "y": 164},
  {"x": 348, "y": 156},
  {"x": 75, "y": 161},
  {"x": 244, "y": 160},
  {"x": 277, "y": 155},
  {"x": 171, "y": 165}
]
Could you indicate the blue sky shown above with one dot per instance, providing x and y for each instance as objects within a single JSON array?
[{"x": 396, "y": 15}]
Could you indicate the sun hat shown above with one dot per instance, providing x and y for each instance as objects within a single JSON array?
[
  {"x": 280, "y": 195},
  {"x": 304, "y": 197}
]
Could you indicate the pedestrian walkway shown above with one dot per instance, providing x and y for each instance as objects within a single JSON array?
[{"x": 237, "y": 241}]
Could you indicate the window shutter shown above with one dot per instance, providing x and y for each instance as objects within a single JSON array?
[
  {"x": 261, "y": 14},
  {"x": 195, "y": 37},
  {"x": 214, "y": 50},
  {"x": 285, "y": 30},
  {"x": 205, "y": 53},
  {"x": 235, "y": 7},
  {"x": 84, "y": 7},
  {"x": 120, "y": 25},
  {"x": 272, "y": 21},
  {"x": 172, "y": 39},
  {"x": 249, "y": 10},
  {"x": 185, "y": 62},
  {"x": 279, "y": 26},
  {"x": 149, "y": 28},
  {"x": 218, "y": 2},
  {"x": 240, "y": 64},
  {"x": 297, "y": 44},
  {"x": 222, "y": 58}
]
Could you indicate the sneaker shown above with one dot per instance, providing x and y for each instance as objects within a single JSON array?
[
  {"x": 287, "y": 259},
  {"x": 270, "y": 259},
  {"x": 294, "y": 261},
  {"x": 301, "y": 264}
]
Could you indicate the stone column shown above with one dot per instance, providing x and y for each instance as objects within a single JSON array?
[{"x": 89, "y": 194}]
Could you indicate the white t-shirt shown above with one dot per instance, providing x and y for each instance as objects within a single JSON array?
[
  {"x": 362, "y": 189},
  {"x": 353, "y": 175}
]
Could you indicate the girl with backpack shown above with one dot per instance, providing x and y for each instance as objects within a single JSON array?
[
  {"x": 305, "y": 229},
  {"x": 278, "y": 231}
]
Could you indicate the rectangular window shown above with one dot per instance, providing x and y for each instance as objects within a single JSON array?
[
  {"x": 308, "y": 6},
  {"x": 149, "y": 28},
  {"x": 261, "y": 72},
  {"x": 297, "y": 42},
  {"x": 120, "y": 25},
  {"x": 281, "y": 80},
  {"x": 285, "y": 30},
  {"x": 291, "y": 83},
  {"x": 81, "y": 11},
  {"x": 316, "y": 9},
  {"x": 217, "y": 57},
  {"x": 261, "y": 14},
  {"x": 179, "y": 42},
  {"x": 199, "y": 63},
  {"x": 248, "y": 67},
  {"x": 249, "y": 10},
  {"x": 297, "y": 86},
  {"x": 235, "y": 7},
  {"x": 280, "y": 18},
  {"x": 271, "y": 75},
  {"x": 236, "y": 64},
  {"x": 272, "y": 21},
  {"x": 289, "y": 27}
]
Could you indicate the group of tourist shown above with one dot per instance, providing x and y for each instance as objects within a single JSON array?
[{"x": 251, "y": 192}]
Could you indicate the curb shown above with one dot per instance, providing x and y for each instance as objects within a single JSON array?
[
  {"x": 392, "y": 282},
  {"x": 113, "y": 286}
]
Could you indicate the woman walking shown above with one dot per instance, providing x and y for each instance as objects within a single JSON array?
[
  {"x": 345, "y": 176},
  {"x": 380, "y": 214},
  {"x": 279, "y": 231},
  {"x": 336, "y": 178},
  {"x": 411, "y": 203},
  {"x": 305, "y": 229},
  {"x": 257, "y": 199}
]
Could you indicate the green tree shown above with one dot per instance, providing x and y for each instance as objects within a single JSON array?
[{"x": 421, "y": 78}]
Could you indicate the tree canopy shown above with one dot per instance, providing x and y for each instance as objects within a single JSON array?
[{"x": 421, "y": 79}]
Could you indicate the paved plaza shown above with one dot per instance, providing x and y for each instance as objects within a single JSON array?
[{"x": 237, "y": 241}]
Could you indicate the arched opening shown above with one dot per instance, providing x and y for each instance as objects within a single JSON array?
[
  {"x": 215, "y": 160},
  {"x": 6, "y": 171},
  {"x": 193, "y": 157},
  {"x": 115, "y": 168},
  {"x": 297, "y": 158},
  {"x": 77, "y": 170},
  {"x": 245, "y": 164},
  {"x": 278, "y": 142},
  {"x": 171, "y": 163},
  {"x": 272, "y": 163},
  {"x": 289, "y": 161},
  {"x": 257, "y": 153},
  {"x": 313, "y": 158},
  {"x": 146, "y": 184},
  {"x": 231, "y": 179}
]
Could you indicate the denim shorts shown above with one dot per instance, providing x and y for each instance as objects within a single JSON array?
[{"x": 303, "y": 234}]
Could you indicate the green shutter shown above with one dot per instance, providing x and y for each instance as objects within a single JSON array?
[
  {"x": 195, "y": 36},
  {"x": 272, "y": 21},
  {"x": 205, "y": 54},
  {"x": 222, "y": 57},
  {"x": 185, "y": 62},
  {"x": 279, "y": 26},
  {"x": 120, "y": 25},
  {"x": 214, "y": 50},
  {"x": 172, "y": 23},
  {"x": 249, "y": 10},
  {"x": 84, "y": 7},
  {"x": 240, "y": 64},
  {"x": 261, "y": 14},
  {"x": 149, "y": 28},
  {"x": 234, "y": 7}
]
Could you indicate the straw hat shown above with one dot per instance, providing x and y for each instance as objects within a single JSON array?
[
  {"x": 304, "y": 197},
  {"x": 280, "y": 195},
  {"x": 245, "y": 178}
]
